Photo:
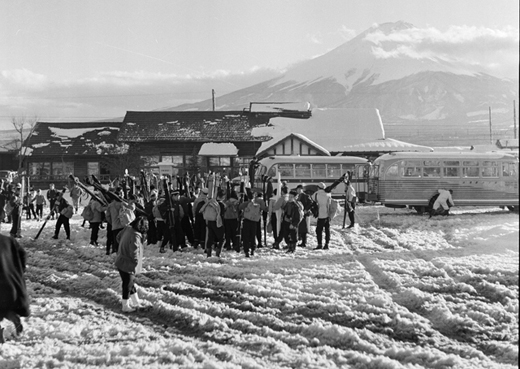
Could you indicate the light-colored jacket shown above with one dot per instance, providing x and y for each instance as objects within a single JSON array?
[
  {"x": 130, "y": 253},
  {"x": 442, "y": 200},
  {"x": 323, "y": 199},
  {"x": 112, "y": 213},
  {"x": 98, "y": 210}
]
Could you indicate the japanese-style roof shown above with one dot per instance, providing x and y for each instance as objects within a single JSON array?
[
  {"x": 199, "y": 126},
  {"x": 78, "y": 138}
]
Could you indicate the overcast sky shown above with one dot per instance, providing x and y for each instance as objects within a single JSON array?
[{"x": 88, "y": 60}]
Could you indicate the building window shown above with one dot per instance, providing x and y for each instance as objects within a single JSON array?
[
  {"x": 219, "y": 161},
  {"x": 150, "y": 160},
  {"x": 175, "y": 160},
  {"x": 40, "y": 169},
  {"x": 93, "y": 168},
  {"x": 62, "y": 168}
]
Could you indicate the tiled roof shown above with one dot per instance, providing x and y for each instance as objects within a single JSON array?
[
  {"x": 78, "y": 138},
  {"x": 201, "y": 126}
]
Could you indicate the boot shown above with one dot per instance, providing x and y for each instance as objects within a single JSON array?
[
  {"x": 320, "y": 247},
  {"x": 135, "y": 302},
  {"x": 126, "y": 307}
]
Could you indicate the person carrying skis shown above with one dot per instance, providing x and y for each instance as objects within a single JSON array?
[
  {"x": 306, "y": 201},
  {"x": 213, "y": 210},
  {"x": 292, "y": 216},
  {"x": 350, "y": 203},
  {"x": 65, "y": 211}
]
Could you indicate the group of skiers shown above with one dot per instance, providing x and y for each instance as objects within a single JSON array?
[
  {"x": 13, "y": 205},
  {"x": 216, "y": 218}
]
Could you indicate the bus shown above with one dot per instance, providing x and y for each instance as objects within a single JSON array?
[
  {"x": 477, "y": 179},
  {"x": 311, "y": 170}
]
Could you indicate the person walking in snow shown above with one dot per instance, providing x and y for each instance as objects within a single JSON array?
[
  {"x": 129, "y": 260},
  {"x": 303, "y": 228},
  {"x": 64, "y": 211},
  {"x": 350, "y": 203},
  {"x": 14, "y": 299},
  {"x": 51, "y": 196},
  {"x": 252, "y": 213},
  {"x": 98, "y": 211},
  {"x": 292, "y": 216},
  {"x": 324, "y": 199},
  {"x": 39, "y": 199},
  {"x": 75, "y": 194},
  {"x": 213, "y": 211}
]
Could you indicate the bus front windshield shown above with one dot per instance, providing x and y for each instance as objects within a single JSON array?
[{"x": 260, "y": 171}]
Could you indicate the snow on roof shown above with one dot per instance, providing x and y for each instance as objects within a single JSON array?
[
  {"x": 218, "y": 149},
  {"x": 76, "y": 132},
  {"x": 333, "y": 129},
  {"x": 386, "y": 144}
]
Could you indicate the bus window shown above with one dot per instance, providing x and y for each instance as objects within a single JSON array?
[
  {"x": 451, "y": 171},
  {"x": 318, "y": 171},
  {"x": 286, "y": 170},
  {"x": 432, "y": 171},
  {"x": 489, "y": 169},
  {"x": 333, "y": 170},
  {"x": 452, "y": 163},
  {"x": 346, "y": 168},
  {"x": 432, "y": 163},
  {"x": 303, "y": 170},
  {"x": 508, "y": 169},
  {"x": 411, "y": 168},
  {"x": 470, "y": 169},
  {"x": 393, "y": 170}
]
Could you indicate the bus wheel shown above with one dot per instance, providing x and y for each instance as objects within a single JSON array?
[
  {"x": 513, "y": 208},
  {"x": 420, "y": 209}
]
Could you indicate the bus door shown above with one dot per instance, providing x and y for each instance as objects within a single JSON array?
[
  {"x": 373, "y": 184},
  {"x": 360, "y": 176}
]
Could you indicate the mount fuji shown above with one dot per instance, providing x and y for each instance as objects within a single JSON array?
[{"x": 377, "y": 70}]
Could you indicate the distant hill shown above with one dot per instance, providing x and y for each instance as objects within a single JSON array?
[{"x": 425, "y": 101}]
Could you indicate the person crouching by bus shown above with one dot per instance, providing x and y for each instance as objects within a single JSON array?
[
  {"x": 290, "y": 221},
  {"x": 444, "y": 202},
  {"x": 129, "y": 260},
  {"x": 350, "y": 203},
  {"x": 303, "y": 227}
]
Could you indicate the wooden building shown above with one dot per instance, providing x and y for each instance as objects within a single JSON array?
[
  {"x": 56, "y": 150},
  {"x": 193, "y": 141}
]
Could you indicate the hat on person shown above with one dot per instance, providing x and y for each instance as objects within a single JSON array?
[
  {"x": 299, "y": 186},
  {"x": 205, "y": 190},
  {"x": 321, "y": 185},
  {"x": 293, "y": 192}
]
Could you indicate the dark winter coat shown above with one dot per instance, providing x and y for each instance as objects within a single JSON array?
[{"x": 13, "y": 293}]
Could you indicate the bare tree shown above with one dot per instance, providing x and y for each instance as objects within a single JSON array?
[{"x": 24, "y": 128}]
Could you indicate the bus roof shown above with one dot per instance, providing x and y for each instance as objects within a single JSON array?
[
  {"x": 313, "y": 160},
  {"x": 445, "y": 155}
]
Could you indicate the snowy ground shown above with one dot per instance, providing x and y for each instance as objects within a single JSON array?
[{"x": 398, "y": 291}]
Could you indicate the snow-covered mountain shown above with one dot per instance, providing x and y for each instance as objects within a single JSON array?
[{"x": 372, "y": 71}]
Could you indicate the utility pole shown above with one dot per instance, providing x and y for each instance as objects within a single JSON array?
[
  {"x": 490, "y": 130},
  {"x": 213, "y": 98},
  {"x": 514, "y": 119}
]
